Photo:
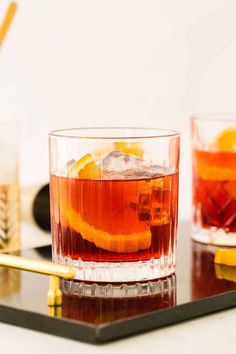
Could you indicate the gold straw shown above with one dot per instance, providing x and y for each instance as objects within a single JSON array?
[{"x": 7, "y": 21}]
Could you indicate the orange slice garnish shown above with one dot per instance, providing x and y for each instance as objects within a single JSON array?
[
  {"x": 214, "y": 173},
  {"x": 131, "y": 148},
  {"x": 85, "y": 168},
  {"x": 219, "y": 163},
  {"x": 121, "y": 243},
  {"x": 226, "y": 140}
]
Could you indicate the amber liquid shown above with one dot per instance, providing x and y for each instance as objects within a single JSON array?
[
  {"x": 214, "y": 189},
  {"x": 114, "y": 220}
]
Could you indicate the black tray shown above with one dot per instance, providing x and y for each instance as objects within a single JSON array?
[{"x": 197, "y": 288}]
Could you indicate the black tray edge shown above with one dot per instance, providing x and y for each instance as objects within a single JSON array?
[
  {"x": 170, "y": 316},
  {"x": 112, "y": 331},
  {"x": 51, "y": 325}
]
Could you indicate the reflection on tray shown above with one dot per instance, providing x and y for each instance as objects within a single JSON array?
[
  {"x": 84, "y": 308},
  {"x": 99, "y": 310},
  {"x": 207, "y": 278},
  {"x": 225, "y": 272},
  {"x": 9, "y": 281}
]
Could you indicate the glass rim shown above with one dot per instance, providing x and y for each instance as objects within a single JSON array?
[
  {"x": 154, "y": 133},
  {"x": 214, "y": 117}
]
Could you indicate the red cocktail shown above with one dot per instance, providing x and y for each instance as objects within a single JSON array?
[
  {"x": 114, "y": 220},
  {"x": 116, "y": 213},
  {"x": 214, "y": 186}
]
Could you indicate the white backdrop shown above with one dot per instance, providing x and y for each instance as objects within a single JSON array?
[{"x": 122, "y": 62}]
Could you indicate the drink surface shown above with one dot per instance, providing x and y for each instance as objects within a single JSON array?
[
  {"x": 214, "y": 189},
  {"x": 114, "y": 220}
]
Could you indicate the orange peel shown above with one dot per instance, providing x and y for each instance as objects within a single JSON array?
[
  {"x": 225, "y": 272},
  {"x": 211, "y": 173},
  {"x": 131, "y": 148},
  {"x": 219, "y": 162},
  {"x": 226, "y": 257},
  {"x": 215, "y": 165},
  {"x": 85, "y": 168},
  {"x": 226, "y": 140},
  {"x": 121, "y": 243}
]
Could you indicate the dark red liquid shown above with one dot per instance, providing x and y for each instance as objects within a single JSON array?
[
  {"x": 114, "y": 220},
  {"x": 214, "y": 189}
]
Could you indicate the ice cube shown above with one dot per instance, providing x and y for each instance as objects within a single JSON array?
[
  {"x": 160, "y": 205},
  {"x": 144, "y": 206},
  {"x": 120, "y": 165},
  {"x": 119, "y": 161}
]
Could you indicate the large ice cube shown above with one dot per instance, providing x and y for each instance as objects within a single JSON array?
[
  {"x": 160, "y": 205},
  {"x": 120, "y": 165},
  {"x": 119, "y": 161}
]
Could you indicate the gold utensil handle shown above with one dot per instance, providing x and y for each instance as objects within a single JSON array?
[
  {"x": 37, "y": 266},
  {"x": 55, "y": 271}
]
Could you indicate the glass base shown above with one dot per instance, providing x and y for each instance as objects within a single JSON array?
[
  {"x": 161, "y": 286},
  {"x": 213, "y": 236},
  {"x": 121, "y": 272}
]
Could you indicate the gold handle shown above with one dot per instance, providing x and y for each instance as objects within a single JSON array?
[
  {"x": 55, "y": 271},
  {"x": 54, "y": 295},
  {"x": 37, "y": 266}
]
